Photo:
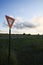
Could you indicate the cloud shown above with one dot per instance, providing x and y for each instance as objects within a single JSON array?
[
  {"x": 0, "y": 30},
  {"x": 29, "y": 25},
  {"x": 32, "y": 26},
  {"x": 24, "y": 25},
  {"x": 39, "y": 21},
  {"x": 20, "y": 23}
]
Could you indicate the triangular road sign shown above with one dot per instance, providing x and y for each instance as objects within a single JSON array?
[{"x": 10, "y": 21}]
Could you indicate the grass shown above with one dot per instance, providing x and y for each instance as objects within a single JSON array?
[{"x": 25, "y": 50}]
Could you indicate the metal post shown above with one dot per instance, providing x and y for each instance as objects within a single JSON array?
[{"x": 9, "y": 46}]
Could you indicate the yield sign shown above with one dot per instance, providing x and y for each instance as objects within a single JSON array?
[{"x": 10, "y": 21}]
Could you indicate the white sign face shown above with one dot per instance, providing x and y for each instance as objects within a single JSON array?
[{"x": 10, "y": 21}]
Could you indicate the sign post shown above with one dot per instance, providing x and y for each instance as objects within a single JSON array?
[
  {"x": 9, "y": 46},
  {"x": 10, "y": 24}
]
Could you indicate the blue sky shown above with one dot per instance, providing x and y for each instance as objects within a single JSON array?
[{"x": 27, "y": 10}]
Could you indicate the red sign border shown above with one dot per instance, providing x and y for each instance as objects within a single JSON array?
[{"x": 8, "y": 17}]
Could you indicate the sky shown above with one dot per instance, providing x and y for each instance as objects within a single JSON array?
[{"x": 28, "y": 15}]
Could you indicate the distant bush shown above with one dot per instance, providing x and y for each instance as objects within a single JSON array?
[
  {"x": 38, "y": 34},
  {"x": 29, "y": 34},
  {"x": 23, "y": 33}
]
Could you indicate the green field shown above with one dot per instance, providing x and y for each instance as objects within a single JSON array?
[{"x": 25, "y": 49}]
